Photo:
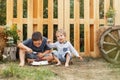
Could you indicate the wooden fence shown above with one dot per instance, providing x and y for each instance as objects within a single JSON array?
[{"x": 91, "y": 20}]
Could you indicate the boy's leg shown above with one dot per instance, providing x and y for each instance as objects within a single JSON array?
[
  {"x": 56, "y": 56},
  {"x": 58, "y": 61},
  {"x": 22, "y": 57},
  {"x": 67, "y": 60},
  {"x": 30, "y": 60},
  {"x": 48, "y": 57}
]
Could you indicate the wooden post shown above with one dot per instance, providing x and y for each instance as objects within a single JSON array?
[
  {"x": 9, "y": 12},
  {"x": 76, "y": 26},
  {"x": 40, "y": 16},
  {"x": 20, "y": 17},
  {"x": 67, "y": 18},
  {"x": 96, "y": 27},
  {"x": 91, "y": 26},
  {"x": 30, "y": 19},
  {"x": 50, "y": 19},
  {"x": 116, "y": 4},
  {"x": 87, "y": 27},
  {"x": 60, "y": 14}
]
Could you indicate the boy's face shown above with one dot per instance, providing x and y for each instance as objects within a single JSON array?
[
  {"x": 37, "y": 43},
  {"x": 60, "y": 37}
]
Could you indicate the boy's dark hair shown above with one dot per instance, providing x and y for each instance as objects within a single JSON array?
[{"x": 36, "y": 36}]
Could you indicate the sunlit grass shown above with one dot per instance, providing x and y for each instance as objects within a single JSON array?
[{"x": 14, "y": 72}]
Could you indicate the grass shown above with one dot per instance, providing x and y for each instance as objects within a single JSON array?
[{"x": 12, "y": 71}]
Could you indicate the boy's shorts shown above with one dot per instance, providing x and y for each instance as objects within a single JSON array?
[
  {"x": 61, "y": 57},
  {"x": 33, "y": 56}
]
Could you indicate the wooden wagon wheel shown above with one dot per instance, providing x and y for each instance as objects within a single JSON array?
[{"x": 109, "y": 44}]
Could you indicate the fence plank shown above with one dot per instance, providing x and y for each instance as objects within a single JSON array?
[
  {"x": 35, "y": 8},
  {"x": 87, "y": 27},
  {"x": 91, "y": 9},
  {"x": 67, "y": 18},
  {"x": 30, "y": 19},
  {"x": 76, "y": 26},
  {"x": 40, "y": 16},
  {"x": 60, "y": 14},
  {"x": 20, "y": 16},
  {"x": 96, "y": 27},
  {"x": 117, "y": 9},
  {"x": 9, "y": 12},
  {"x": 91, "y": 26},
  {"x": 50, "y": 19},
  {"x": 35, "y": 15}
]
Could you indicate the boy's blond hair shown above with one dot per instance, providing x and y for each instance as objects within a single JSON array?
[{"x": 61, "y": 31}]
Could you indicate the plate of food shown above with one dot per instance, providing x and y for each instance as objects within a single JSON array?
[{"x": 37, "y": 63}]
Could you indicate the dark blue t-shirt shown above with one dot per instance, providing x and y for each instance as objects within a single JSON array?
[{"x": 42, "y": 48}]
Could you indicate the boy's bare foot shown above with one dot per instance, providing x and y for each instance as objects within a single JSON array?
[
  {"x": 30, "y": 60},
  {"x": 21, "y": 64},
  {"x": 58, "y": 64},
  {"x": 66, "y": 65}
]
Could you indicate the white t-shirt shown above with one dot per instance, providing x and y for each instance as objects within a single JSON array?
[{"x": 63, "y": 48}]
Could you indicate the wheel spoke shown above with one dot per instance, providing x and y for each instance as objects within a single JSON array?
[
  {"x": 108, "y": 43},
  {"x": 112, "y": 37},
  {"x": 116, "y": 57},
  {"x": 119, "y": 33},
  {"x": 111, "y": 50},
  {"x": 103, "y": 51}
]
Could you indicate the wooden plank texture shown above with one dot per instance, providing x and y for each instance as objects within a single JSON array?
[
  {"x": 60, "y": 14},
  {"x": 30, "y": 19},
  {"x": 117, "y": 9},
  {"x": 96, "y": 27},
  {"x": 20, "y": 17},
  {"x": 67, "y": 18},
  {"x": 50, "y": 19},
  {"x": 91, "y": 21},
  {"x": 76, "y": 26},
  {"x": 87, "y": 27},
  {"x": 9, "y": 12},
  {"x": 40, "y": 16}
]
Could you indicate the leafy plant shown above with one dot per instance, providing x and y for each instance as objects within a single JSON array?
[
  {"x": 12, "y": 32},
  {"x": 110, "y": 13}
]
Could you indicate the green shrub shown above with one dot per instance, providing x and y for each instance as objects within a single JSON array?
[
  {"x": 110, "y": 13},
  {"x": 12, "y": 32}
]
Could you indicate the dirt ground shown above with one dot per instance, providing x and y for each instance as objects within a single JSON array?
[{"x": 89, "y": 69}]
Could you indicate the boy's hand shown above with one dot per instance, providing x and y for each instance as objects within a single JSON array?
[
  {"x": 29, "y": 50},
  {"x": 80, "y": 58},
  {"x": 48, "y": 41},
  {"x": 40, "y": 55}
]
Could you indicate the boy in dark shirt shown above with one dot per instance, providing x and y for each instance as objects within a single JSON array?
[{"x": 35, "y": 49}]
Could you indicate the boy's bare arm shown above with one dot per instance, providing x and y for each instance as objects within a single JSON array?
[
  {"x": 44, "y": 53},
  {"x": 80, "y": 58},
  {"x": 49, "y": 41},
  {"x": 22, "y": 46}
]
